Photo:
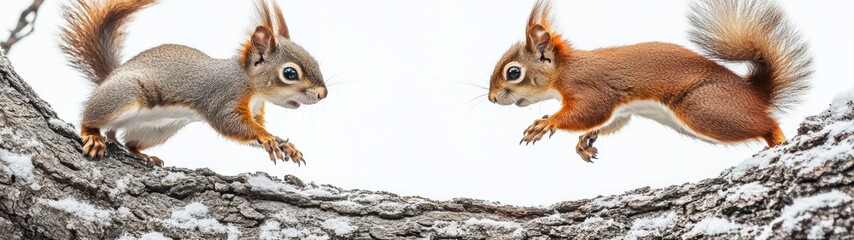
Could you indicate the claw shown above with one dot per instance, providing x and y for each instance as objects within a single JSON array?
[
  {"x": 157, "y": 161},
  {"x": 99, "y": 151},
  {"x": 87, "y": 147},
  {"x": 94, "y": 147},
  {"x": 535, "y": 132},
  {"x": 590, "y": 153},
  {"x": 585, "y": 148},
  {"x": 289, "y": 152},
  {"x": 272, "y": 148},
  {"x": 270, "y": 152}
]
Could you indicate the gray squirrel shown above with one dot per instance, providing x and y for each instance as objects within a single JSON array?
[{"x": 156, "y": 93}]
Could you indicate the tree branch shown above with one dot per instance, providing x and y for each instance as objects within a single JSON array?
[
  {"x": 803, "y": 188},
  {"x": 16, "y": 34}
]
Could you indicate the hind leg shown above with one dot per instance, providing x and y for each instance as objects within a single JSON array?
[
  {"x": 585, "y": 147},
  {"x": 775, "y": 137},
  {"x": 725, "y": 113},
  {"x": 136, "y": 148},
  {"x": 103, "y": 110},
  {"x": 141, "y": 138},
  {"x": 111, "y": 135}
]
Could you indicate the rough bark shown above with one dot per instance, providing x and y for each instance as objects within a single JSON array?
[{"x": 800, "y": 189}]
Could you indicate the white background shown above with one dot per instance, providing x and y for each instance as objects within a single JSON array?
[{"x": 400, "y": 115}]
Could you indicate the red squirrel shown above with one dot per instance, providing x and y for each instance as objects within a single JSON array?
[
  {"x": 159, "y": 91},
  {"x": 691, "y": 93}
]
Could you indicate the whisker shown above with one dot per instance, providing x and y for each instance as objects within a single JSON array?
[
  {"x": 471, "y": 92},
  {"x": 515, "y": 99},
  {"x": 476, "y": 74},
  {"x": 461, "y": 82},
  {"x": 479, "y": 101},
  {"x": 478, "y": 96},
  {"x": 339, "y": 83},
  {"x": 512, "y": 97},
  {"x": 329, "y": 80},
  {"x": 338, "y": 73}
]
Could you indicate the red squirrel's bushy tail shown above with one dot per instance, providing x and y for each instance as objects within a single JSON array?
[
  {"x": 93, "y": 35},
  {"x": 755, "y": 31}
]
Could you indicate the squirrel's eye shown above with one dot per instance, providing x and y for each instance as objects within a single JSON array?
[
  {"x": 290, "y": 73},
  {"x": 513, "y": 73}
]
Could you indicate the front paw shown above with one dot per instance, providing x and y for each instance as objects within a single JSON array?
[
  {"x": 94, "y": 146},
  {"x": 536, "y": 131},
  {"x": 271, "y": 145},
  {"x": 291, "y": 151}
]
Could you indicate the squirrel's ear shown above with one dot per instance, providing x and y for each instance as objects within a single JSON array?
[
  {"x": 260, "y": 44},
  {"x": 262, "y": 40},
  {"x": 539, "y": 40}
]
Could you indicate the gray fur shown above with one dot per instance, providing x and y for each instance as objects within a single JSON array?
[{"x": 175, "y": 75}]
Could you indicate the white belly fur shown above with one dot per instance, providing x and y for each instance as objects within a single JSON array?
[
  {"x": 657, "y": 112},
  {"x": 255, "y": 104},
  {"x": 140, "y": 123},
  {"x": 156, "y": 117}
]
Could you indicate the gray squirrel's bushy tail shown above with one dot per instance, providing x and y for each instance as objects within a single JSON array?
[
  {"x": 94, "y": 32},
  {"x": 755, "y": 31}
]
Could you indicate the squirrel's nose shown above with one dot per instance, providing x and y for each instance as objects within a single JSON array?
[
  {"x": 492, "y": 98},
  {"x": 321, "y": 93}
]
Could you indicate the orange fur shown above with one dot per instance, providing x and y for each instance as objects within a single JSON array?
[
  {"x": 135, "y": 147},
  {"x": 756, "y": 32},
  {"x": 259, "y": 117},
  {"x": 265, "y": 19},
  {"x": 245, "y": 55},
  {"x": 85, "y": 131},
  {"x": 257, "y": 129},
  {"x": 705, "y": 97},
  {"x": 562, "y": 47},
  {"x": 540, "y": 15},
  {"x": 93, "y": 34},
  {"x": 775, "y": 137}
]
